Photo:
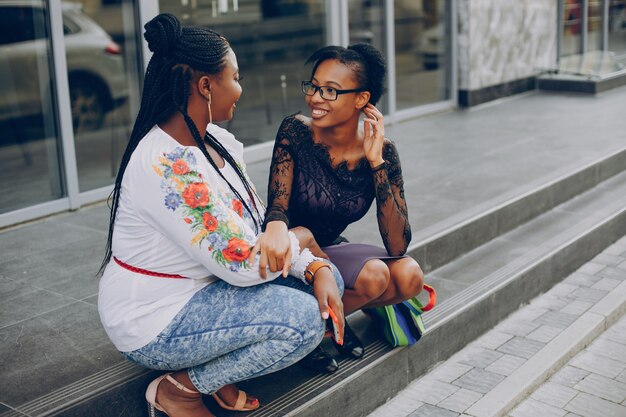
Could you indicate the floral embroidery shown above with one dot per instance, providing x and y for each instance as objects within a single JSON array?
[
  {"x": 180, "y": 167},
  {"x": 172, "y": 201},
  {"x": 212, "y": 220},
  {"x": 237, "y": 250},
  {"x": 196, "y": 195},
  {"x": 238, "y": 207}
]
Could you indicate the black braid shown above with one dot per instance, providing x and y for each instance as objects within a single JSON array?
[
  {"x": 177, "y": 50},
  {"x": 223, "y": 152}
]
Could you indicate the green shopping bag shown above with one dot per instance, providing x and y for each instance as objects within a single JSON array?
[{"x": 401, "y": 324}]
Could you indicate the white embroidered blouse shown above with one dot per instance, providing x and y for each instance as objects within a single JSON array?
[{"x": 177, "y": 216}]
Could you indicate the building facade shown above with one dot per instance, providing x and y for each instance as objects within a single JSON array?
[{"x": 71, "y": 72}]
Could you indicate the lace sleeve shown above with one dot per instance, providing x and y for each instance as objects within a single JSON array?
[
  {"x": 391, "y": 209},
  {"x": 280, "y": 178}
]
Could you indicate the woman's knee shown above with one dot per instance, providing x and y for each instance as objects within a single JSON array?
[
  {"x": 409, "y": 279},
  {"x": 306, "y": 317},
  {"x": 373, "y": 279}
]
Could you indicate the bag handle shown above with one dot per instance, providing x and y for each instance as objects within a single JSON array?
[{"x": 432, "y": 298}]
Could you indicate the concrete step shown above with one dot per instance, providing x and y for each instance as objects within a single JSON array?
[
  {"x": 536, "y": 258},
  {"x": 445, "y": 241},
  {"x": 476, "y": 291},
  {"x": 559, "y": 336}
]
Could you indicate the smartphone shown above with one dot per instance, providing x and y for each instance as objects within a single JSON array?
[{"x": 334, "y": 324}]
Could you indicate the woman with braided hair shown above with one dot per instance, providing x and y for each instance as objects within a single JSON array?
[
  {"x": 328, "y": 169},
  {"x": 181, "y": 290}
]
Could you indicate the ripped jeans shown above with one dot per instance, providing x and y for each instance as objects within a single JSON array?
[{"x": 226, "y": 334}]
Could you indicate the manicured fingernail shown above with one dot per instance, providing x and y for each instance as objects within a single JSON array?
[{"x": 325, "y": 315}]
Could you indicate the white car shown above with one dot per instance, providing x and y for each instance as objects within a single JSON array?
[{"x": 95, "y": 65}]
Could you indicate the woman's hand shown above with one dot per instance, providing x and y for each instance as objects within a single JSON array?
[
  {"x": 307, "y": 240},
  {"x": 327, "y": 294},
  {"x": 374, "y": 135},
  {"x": 275, "y": 248}
]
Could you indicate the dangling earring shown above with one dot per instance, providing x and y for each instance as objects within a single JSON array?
[{"x": 208, "y": 101}]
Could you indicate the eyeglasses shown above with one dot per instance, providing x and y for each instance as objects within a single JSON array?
[{"x": 326, "y": 92}]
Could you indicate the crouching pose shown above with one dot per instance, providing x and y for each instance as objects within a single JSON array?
[{"x": 185, "y": 286}]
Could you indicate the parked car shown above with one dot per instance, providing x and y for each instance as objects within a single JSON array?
[{"x": 95, "y": 65}]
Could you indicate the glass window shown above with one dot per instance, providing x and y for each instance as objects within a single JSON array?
[
  {"x": 367, "y": 24},
  {"x": 22, "y": 24},
  {"x": 272, "y": 39},
  {"x": 31, "y": 172},
  {"x": 572, "y": 21},
  {"x": 594, "y": 25},
  {"x": 422, "y": 52},
  {"x": 103, "y": 72},
  {"x": 617, "y": 29}
]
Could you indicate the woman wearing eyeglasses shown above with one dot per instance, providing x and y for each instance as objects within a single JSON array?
[{"x": 326, "y": 171}]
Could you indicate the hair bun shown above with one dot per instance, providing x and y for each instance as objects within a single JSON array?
[
  {"x": 162, "y": 33},
  {"x": 372, "y": 56},
  {"x": 376, "y": 68}
]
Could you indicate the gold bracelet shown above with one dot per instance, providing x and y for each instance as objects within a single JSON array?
[{"x": 311, "y": 270}]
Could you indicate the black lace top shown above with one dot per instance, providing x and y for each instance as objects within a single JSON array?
[{"x": 305, "y": 189}]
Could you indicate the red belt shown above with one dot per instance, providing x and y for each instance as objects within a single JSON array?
[{"x": 146, "y": 272}]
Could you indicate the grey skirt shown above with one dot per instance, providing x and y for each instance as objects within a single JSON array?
[{"x": 349, "y": 258}]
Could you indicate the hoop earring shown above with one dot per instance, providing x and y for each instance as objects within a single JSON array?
[{"x": 209, "y": 106}]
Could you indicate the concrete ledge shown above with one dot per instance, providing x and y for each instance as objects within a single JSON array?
[
  {"x": 445, "y": 241},
  {"x": 469, "y": 98},
  {"x": 510, "y": 392},
  {"x": 581, "y": 84}
]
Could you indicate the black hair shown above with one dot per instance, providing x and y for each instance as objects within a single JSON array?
[
  {"x": 366, "y": 61},
  {"x": 179, "y": 53}
]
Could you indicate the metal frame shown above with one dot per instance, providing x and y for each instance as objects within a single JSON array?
[
  {"x": 605, "y": 25},
  {"x": 390, "y": 46},
  {"x": 584, "y": 26},
  {"x": 560, "y": 12},
  {"x": 66, "y": 129}
]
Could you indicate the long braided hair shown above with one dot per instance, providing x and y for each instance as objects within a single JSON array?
[{"x": 179, "y": 53}]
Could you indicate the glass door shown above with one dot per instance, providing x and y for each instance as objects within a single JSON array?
[
  {"x": 31, "y": 165},
  {"x": 423, "y": 51},
  {"x": 272, "y": 39},
  {"x": 572, "y": 24},
  {"x": 617, "y": 30},
  {"x": 101, "y": 48},
  {"x": 367, "y": 25}
]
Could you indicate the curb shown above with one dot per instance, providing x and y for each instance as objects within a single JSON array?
[{"x": 513, "y": 389}]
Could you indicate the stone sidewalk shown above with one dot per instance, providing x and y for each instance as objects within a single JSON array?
[
  {"x": 592, "y": 384},
  {"x": 563, "y": 334}
]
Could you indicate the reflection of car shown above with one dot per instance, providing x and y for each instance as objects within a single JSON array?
[
  {"x": 95, "y": 66},
  {"x": 430, "y": 47}
]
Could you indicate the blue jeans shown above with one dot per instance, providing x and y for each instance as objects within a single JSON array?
[{"x": 226, "y": 334}]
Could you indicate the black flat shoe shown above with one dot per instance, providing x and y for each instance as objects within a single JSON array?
[
  {"x": 319, "y": 360},
  {"x": 352, "y": 346}
]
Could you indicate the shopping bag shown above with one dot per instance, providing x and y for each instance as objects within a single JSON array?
[{"x": 401, "y": 324}]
